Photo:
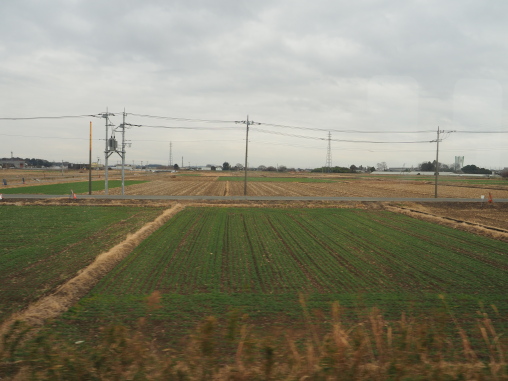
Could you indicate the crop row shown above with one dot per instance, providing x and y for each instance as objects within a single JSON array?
[
  {"x": 41, "y": 247},
  {"x": 335, "y": 250}
]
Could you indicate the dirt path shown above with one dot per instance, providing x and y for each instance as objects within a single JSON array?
[{"x": 70, "y": 292}]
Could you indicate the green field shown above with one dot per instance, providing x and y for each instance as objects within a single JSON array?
[
  {"x": 65, "y": 188},
  {"x": 443, "y": 179},
  {"x": 277, "y": 179},
  {"x": 208, "y": 261},
  {"x": 42, "y": 247}
]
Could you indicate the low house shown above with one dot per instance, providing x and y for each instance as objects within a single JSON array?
[{"x": 12, "y": 163}]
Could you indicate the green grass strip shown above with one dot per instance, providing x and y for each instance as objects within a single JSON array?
[{"x": 65, "y": 188}]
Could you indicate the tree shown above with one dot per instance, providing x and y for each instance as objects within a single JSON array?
[
  {"x": 226, "y": 166},
  {"x": 239, "y": 167},
  {"x": 504, "y": 173},
  {"x": 428, "y": 166},
  {"x": 282, "y": 168},
  {"x": 473, "y": 169},
  {"x": 262, "y": 168},
  {"x": 353, "y": 168},
  {"x": 271, "y": 168},
  {"x": 382, "y": 166},
  {"x": 176, "y": 167},
  {"x": 444, "y": 168},
  {"x": 332, "y": 170}
]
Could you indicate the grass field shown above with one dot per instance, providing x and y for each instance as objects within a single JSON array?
[
  {"x": 208, "y": 261},
  {"x": 41, "y": 247},
  {"x": 65, "y": 188}
]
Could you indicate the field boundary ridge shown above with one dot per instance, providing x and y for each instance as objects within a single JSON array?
[
  {"x": 70, "y": 292},
  {"x": 472, "y": 227}
]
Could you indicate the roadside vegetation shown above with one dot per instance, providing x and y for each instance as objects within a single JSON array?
[{"x": 409, "y": 348}]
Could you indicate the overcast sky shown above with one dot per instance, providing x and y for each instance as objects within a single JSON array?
[{"x": 385, "y": 71}]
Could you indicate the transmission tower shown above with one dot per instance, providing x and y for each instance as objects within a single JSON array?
[
  {"x": 170, "y": 154},
  {"x": 329, "y": 154}
]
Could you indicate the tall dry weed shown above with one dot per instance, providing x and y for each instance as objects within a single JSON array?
[{"x": 374, "y": 349}]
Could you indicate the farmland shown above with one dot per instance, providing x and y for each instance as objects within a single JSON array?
[
  {"x": 275, "y": 278},
  {"x": 259, "y": 184},
  {"x": 65, "y": 188},
  {"x": 315, "y": 185},
  {"x": 210, "y": 260},
  {"x": 42, "y": 247}
]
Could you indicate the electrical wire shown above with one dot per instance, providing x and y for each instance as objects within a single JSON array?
[
  {"x": 51, "y": 117},
  {"x": 480, "y": 132},
  {"x": 184, "y": 127},
  {"x": 182, "y": 119},
  {"x": 338, "y": 140},
  {"x": 279, "y": 125},
  {"x": 346, "y": 131},
  {"x": 47, "y": 137}
]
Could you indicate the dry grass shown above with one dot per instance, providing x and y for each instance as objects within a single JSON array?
[{"x": 376, "y": 349}]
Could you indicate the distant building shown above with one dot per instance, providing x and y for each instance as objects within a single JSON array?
[{"x": 12, "y": 163}]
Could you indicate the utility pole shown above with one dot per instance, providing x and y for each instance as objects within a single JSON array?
[
  {"x": 247, "y": 124},
  {"x": 437, "y": 162},
  {"x": 170, "y": 163},
  {"x": 329, "y": 153},
  {"x": 108, "y": 150},
  {"x": 123, "y": 153},
  {"x": 437, "y": 157},
  {"x": 90, "y": 163}
]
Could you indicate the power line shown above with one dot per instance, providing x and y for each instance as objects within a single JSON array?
[
  {"x": 51, "y": 117},
  {"x": 480, "y": 132},
  {"x": 339, "y": 140},
  {"x": 182, "y": 127},
  {"x": 347, "y": 131},
  {"x": 45, "y": 137},
  {"x": 182, "y": 119}
]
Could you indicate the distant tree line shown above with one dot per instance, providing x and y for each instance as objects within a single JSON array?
[
  {"x": 240, "y": 167},
  {"x": 469, "y": 169},
  {"x": 352, "y": 169},
  {"x": 35, "y": 163},
  {"x": 473, "y": 169}
]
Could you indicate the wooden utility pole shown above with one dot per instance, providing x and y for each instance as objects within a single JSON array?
[
  {"x": 247, "y": 123},
  {"x": 437, "y": 162},
  {"x": 90, "y": 163}
]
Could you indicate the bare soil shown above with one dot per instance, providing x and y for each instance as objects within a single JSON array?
[{"x": 167, "y": 184}]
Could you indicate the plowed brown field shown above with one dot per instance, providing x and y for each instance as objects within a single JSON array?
[{"x": 210, "y": 186}]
